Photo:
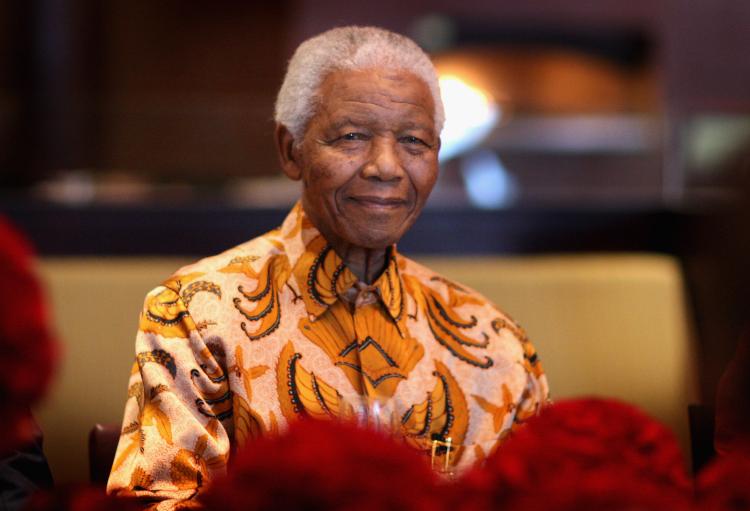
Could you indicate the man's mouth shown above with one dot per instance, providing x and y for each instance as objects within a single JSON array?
[{"x": 375, "y": 201}]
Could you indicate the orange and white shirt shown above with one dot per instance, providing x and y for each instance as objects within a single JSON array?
[{"x": 238, "y": 345}]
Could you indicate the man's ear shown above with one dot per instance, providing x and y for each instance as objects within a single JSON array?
[{"x": 288, "y": 158}]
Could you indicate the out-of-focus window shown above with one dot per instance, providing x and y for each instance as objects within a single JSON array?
[
  {"x": 715, "y": 153},
  {"x": 546, "y": 117}
]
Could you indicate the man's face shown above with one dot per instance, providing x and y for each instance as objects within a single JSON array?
[{"x": 368, "y": 160}]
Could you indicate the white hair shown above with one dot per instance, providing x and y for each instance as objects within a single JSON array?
[{"x": 346, "y": 48}]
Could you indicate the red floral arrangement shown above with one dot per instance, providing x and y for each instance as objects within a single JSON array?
[
  {"x": 326, "y": 466},
  {"x": 27, "y": 346},
  {"x": 582, "y": 454},
  {"x": 724, "y": 485}
]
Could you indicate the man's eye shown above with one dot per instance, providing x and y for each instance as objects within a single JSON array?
[
  {"x": 353, "y": 136},
  {"x": 410, "y": 139}
]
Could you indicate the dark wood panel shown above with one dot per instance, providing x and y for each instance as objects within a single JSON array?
[{"x": 207, "y": 229}]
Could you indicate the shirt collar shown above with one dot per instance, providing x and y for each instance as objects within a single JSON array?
[{"x": 322, "y": 277}]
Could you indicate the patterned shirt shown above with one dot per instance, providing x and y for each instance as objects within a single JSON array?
[{"x": 238, "y": 345}]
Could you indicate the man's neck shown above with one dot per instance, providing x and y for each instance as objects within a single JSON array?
[{"x": 367, "y": 264}]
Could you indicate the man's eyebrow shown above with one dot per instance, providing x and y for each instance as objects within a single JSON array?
[
  {"x": 408, "y": 125},
  {"x": 364, "y": 121},
  {"x": 347, "y": 121}
]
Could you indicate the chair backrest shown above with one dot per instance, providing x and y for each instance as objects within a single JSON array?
[
  {"x": 103, "y": 440},
  {"x": 702, "y": 429}
]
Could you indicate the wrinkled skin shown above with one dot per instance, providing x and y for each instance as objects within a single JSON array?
[{"x": 367, "y": 161}]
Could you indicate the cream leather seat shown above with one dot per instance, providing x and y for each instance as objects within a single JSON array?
[{"x": 608, "y": 325}]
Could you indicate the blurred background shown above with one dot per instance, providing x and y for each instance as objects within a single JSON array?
[{"x": 141, "y": 131}]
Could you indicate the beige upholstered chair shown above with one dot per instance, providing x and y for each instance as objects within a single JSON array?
[{"x": 609, "y": 325}]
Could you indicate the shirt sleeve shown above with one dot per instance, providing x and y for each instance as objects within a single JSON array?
[
  {"x": 536, "y": 393},
  {"x": 172, "y": 440}
]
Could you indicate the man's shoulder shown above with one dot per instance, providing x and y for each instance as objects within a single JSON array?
[
  {"x": 253, "y": 253},
  {"x": 453, "y": 298},
  {"x": 438, "y": 283}
]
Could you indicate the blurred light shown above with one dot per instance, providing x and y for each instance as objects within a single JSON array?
[
  {"x": 68, "y": 187},
  {"x": 713, "y": 140},
  {"x": 488, "y": 184},
  {"x": 434, "y": 32},
  {"x": 469, "y": 116}
]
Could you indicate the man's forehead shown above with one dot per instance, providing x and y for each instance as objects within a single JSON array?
[
  {"x": 365, "y": 96},
  {"x": 357, "y": 79}
]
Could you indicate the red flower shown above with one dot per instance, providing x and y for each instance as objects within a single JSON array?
[
  {"x": 27, "y": 347},
  {"x": 326, "y": 466},
  {"x": 724, "y": 485},
  {"x": 582, "y": 454}
]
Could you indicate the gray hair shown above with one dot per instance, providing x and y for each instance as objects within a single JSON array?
[{"x": 346, "y": 48}]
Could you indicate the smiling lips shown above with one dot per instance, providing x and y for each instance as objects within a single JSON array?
[{"x": 374, "y": 201}]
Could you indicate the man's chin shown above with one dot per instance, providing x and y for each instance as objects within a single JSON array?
[
  {"x": 376, "y": 240},
  {"x": 374, "y": 232}
]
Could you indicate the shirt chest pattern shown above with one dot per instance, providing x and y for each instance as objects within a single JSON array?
[{"x": 447, "y": 369}]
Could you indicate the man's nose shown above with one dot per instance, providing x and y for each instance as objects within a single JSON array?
[{"x": 383, "y": 162}]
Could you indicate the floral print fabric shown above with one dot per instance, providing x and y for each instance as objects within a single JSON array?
[{"x": 238, "y": 345}]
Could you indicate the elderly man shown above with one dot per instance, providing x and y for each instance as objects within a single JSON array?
[{"x": 322, "y": 317}]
